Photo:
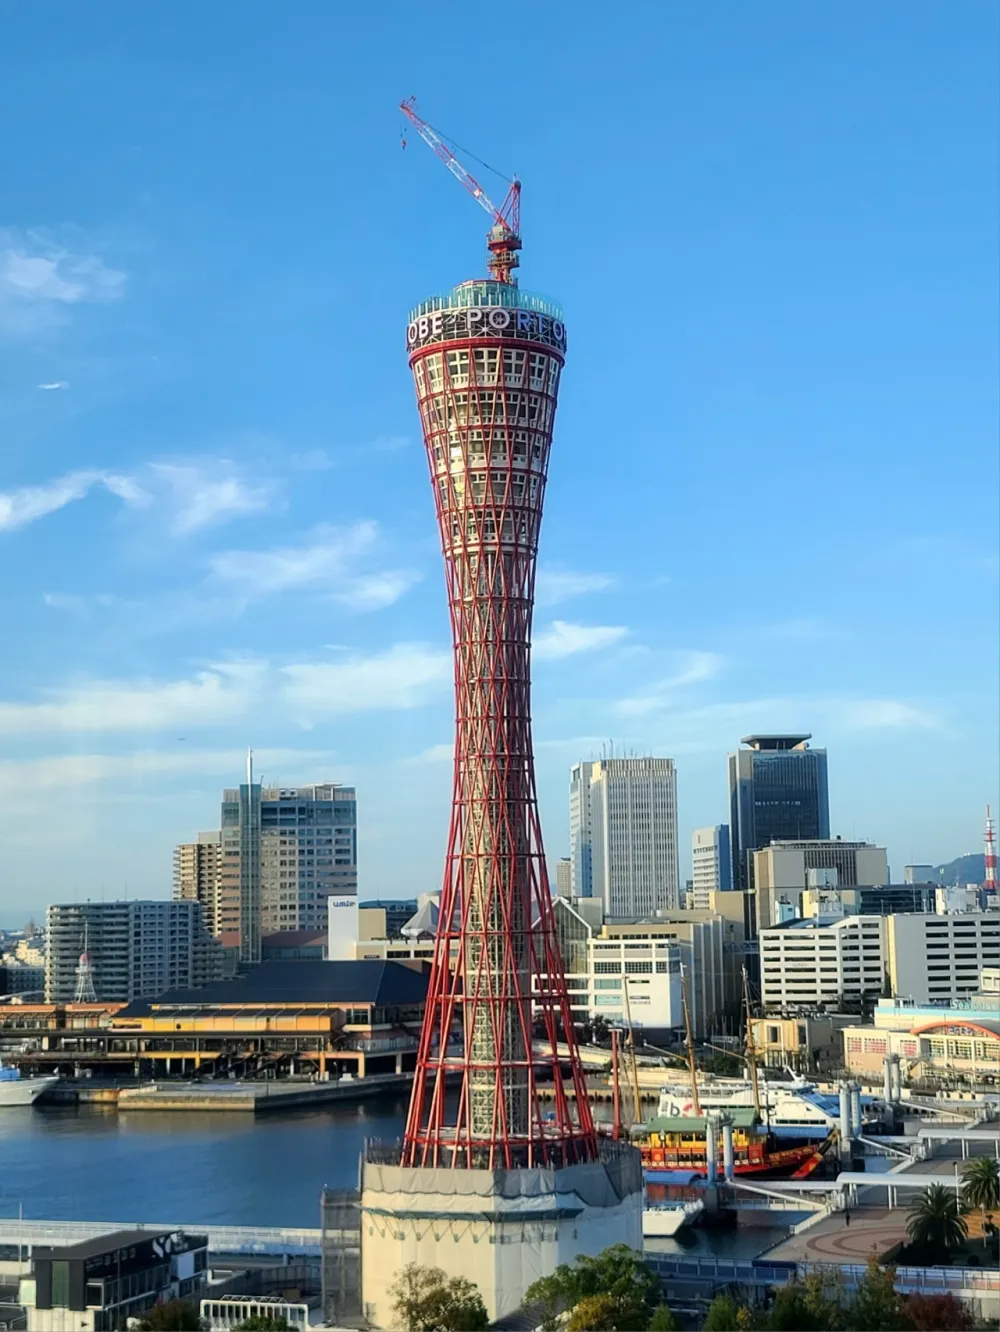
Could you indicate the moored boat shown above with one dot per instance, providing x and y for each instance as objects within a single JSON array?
[
  {"x": 678, "y": 1142},
  {"x": 18, "y": 1090}
]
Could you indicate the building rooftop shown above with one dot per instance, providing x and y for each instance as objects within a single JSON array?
[
  {"x": 771, "y": 742},
  {"x": 114, "y": 1239},
  {"x": 292, "y": 938},
  {"x": 306, "y": 981},
  {"x": 743, "y": 1117}
]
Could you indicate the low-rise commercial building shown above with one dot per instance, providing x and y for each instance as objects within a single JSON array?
[
  {"x": 600, "y": 956},
  {"x": 806, "y": 1043},
  {"x": 303, "y": 1018},
  {"x": 99, "y": 1284},
  {"x": 936, "y": 1043},
  {"x": 883, "y": 899}
]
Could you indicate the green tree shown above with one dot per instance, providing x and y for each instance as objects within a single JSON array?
[
  {"x": 876, "y": 1306},
  {"x": 598, "y": 1313},
  {"x": 981, "y": 1190},
  {"x": 723, "y": 1065},
  {"x": 172, "y": 1316},
  {"x": 722, "y": 1316},
  {"x": 813, "y": 1305},
  {"x": 662, "y": 1320},
  {"x": 618, "y": 1272},
  {"x": 264, "y": 1323},
  {"x": 424, "y": 1299},
  {"x": 937, "y": 1313},
  {"x": 936, "y": 1223},
  {"x": 548, "y": 1297}
]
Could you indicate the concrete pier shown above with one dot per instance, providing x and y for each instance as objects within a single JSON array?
[{"x": 226, "y": 1097}]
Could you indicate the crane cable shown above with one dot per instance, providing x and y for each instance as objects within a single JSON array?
[{"x": 467, "y": 152}]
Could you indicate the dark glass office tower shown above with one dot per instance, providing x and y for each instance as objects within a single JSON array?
[{"x": 777, "y": 792}]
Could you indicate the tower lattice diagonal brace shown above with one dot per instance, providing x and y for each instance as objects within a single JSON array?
[{"x": 486, "y": 361}]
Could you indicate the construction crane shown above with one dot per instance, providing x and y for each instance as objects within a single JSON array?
[{"x": 503, "y": 240}]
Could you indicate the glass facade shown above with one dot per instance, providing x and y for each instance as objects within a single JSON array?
[
  {"x": 486, "y": 293},
  {"x": 776, "y": 793}
]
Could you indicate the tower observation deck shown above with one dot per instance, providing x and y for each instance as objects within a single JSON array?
[{"x": 486, "y": 360}]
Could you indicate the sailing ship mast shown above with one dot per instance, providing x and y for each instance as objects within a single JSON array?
[
  {"x": 616, "y": 1120},
  {"x": 690, "y": 1043},
  {"x": 636, "y": 1114},
  {"x": 751, "y": 1051}
]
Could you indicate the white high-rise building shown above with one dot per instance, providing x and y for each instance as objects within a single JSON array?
[
  {"x": 581, "y": 876},
  {"x": 633, "y": 835},
  {"x": 711, "y": 859},
  {"x": 136, "y": 950}
]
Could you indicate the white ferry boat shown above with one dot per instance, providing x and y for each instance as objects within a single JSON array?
[
  {"x": 17, "y": 1090},
  {"x": 796, "y": 1107}
]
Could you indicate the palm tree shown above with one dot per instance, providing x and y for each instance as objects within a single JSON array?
[
  {"x": 981, "y": 1190},
  {"x": 936, "y": 1222}
]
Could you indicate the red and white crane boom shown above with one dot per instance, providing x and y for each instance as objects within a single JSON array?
[{"x": 503, "y": 239}]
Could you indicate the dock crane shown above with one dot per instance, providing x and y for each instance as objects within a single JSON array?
[{"x": 503, "y": 240}]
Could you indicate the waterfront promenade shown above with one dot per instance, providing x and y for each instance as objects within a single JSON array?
[{"x": 875, "y": 1227}]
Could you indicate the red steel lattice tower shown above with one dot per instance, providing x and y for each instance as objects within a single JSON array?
[
  {"x": 486, "y": 359},
  {"x": 990, "y": 874}
]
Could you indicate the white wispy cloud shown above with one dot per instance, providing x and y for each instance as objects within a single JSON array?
[
  {"x": 689, "y": 668},
  {"x": 326, "y": 561},
  {"x": 73, "y": 770},
  {"x": 400, "y": 677},
  {"x": 29, "y": 503},
  {"x": 189, "y": 495},
  {"x": 40, "y": 279},
  {"x": 554, "y": 585},
  {"x": 863, "y": 714},
  {"x": 403, "y": 677},
  {"x": 55, "y": 386},
  {"x": 209, "y": 491},
  {"x": 219, "y": 694},
  {"x": 66, "y": 601},
  {"x": 561, "y": 639},
  {"x": 33, "y": 270},
  {"x": 679, "y": 728},
  {"x": 443, "y": 753}
]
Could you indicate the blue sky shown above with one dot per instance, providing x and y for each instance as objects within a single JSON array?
[{"x": 773, "y": 491}]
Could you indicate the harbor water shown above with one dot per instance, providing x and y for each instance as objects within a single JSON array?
[{"x": 83, "y": 1164}]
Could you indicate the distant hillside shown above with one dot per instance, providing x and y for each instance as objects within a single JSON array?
[{"x": 965, "y": 869}]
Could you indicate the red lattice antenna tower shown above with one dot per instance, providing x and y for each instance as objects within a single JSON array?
[
  {"x": 990, "y": 875},
  {"x": 486, "y": 360}
]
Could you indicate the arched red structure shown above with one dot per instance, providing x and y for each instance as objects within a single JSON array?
[{"x": 486, "y": 361}]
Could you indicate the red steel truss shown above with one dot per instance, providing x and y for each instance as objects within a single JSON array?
[{"x": 487, "y": 407}]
